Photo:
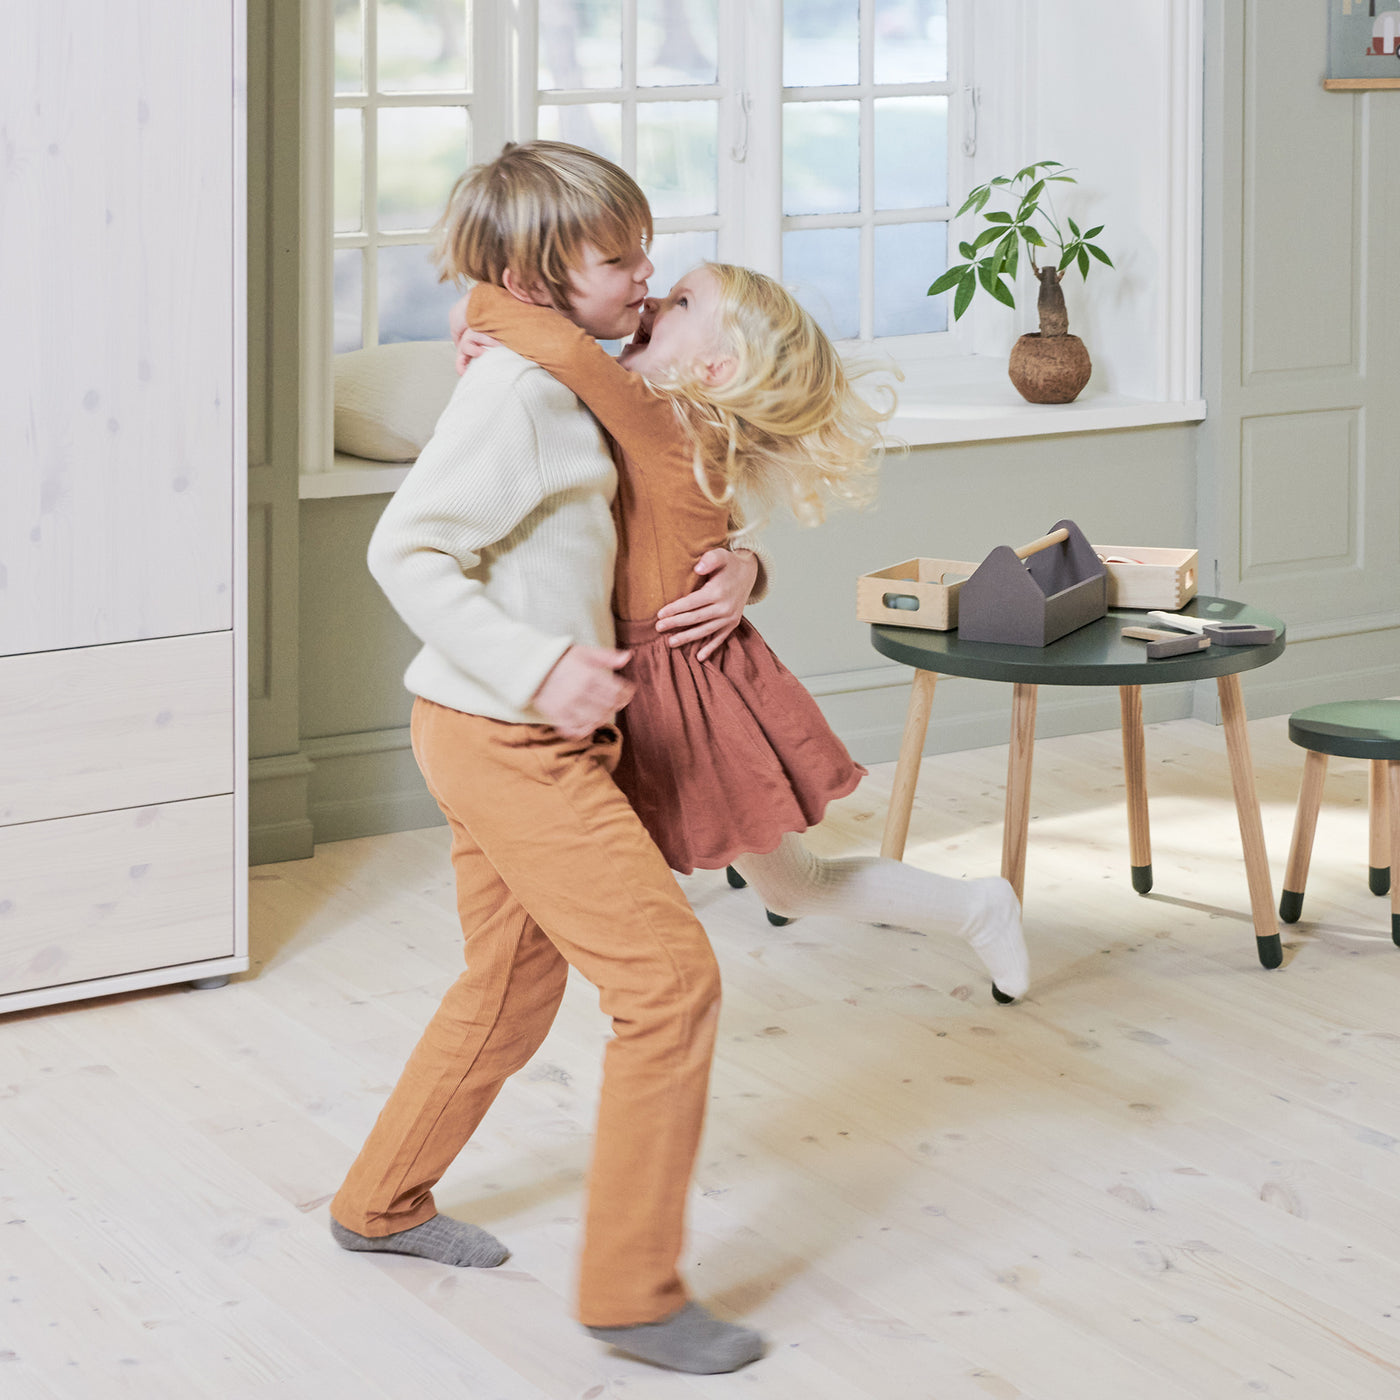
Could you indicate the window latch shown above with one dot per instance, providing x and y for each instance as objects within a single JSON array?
[
  {"x": 739, "y": 151},
  {"x": 972, "y": 100}
]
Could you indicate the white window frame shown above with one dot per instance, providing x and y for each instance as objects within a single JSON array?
[{"x": 955, "y": 388}]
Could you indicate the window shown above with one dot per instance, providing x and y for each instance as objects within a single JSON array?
[
  {"x": 828, "y": 142},
  {"x": 404, "y": 104},
  {"x": 849, "y": 204}
]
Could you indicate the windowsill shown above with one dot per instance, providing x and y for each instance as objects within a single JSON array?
[
  {"x": 940, "y": 401},
  {"x": 970, "y": 399}
]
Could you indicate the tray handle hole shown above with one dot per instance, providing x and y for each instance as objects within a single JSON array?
[{"x": 904, "y": 602}]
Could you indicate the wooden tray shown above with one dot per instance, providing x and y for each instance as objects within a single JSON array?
[
  {"x": 910, "y": 594},
  {"x": 1158, "y": 578}
]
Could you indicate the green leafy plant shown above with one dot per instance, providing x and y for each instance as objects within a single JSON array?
[{"x": 995, "y": 270}]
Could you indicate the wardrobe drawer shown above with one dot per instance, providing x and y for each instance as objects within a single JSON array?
[
  {"x": 116, "y": 892},
  {"x": 104, "y": 727}
]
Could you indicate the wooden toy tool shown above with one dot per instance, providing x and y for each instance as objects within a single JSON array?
[
  {"x": 1226, "y": 634},
  {"x": 1164, "y": 644}
]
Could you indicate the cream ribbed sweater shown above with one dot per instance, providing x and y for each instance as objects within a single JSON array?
[{"x": 498, "y": 549}]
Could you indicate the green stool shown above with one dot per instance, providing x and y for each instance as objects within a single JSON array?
[{"x": 1368, "y": 729}]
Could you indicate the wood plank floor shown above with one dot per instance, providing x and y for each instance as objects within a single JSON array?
[{"x": 1167, "y": 1175}]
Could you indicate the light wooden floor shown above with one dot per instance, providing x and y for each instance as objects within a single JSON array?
[{"x": 1168, "y": 1174}]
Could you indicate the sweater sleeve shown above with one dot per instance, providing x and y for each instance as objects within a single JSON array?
[
  {"x": 474, "y": 482},
  {"x": 642, "y": 421},
  {"x": 740, "y": 537}
]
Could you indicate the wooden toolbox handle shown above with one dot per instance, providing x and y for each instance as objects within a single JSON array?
[{"x": 1044, "y": 542}]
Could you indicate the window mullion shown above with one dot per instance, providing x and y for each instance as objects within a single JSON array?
[
  {"x": 369, "y": 179},
  {"x": 317, "y": 218},
  {"x": 759, "y": 73},
  {"x": 867, "y": 169},
  {"x": 629, "y": 85}
]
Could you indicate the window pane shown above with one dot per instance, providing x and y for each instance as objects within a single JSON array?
[
  {"x": 909, "y": 258},
  {"x": 424, "y": 45},
  {"x": 911, "y": 152},
  {"x": 348, "y": 294},
  {"x": 422, "y": 150},
  {"x": 821, "y": 266},
  {"x": 678, "y": 156},
  {"x": 911, "y": 41},
  {"x": 349, "y": 169},
  {"x": 349, "y": 46},
  {"x": 597, "y": 126},
  {"x": 821, "y": 42},
  {"x": 676, "y": 42},
  {"x": 821, "y": 157},
  {"x": 674, "y": 254},
  {"x": 413, "y": 304},
  {"x": 580, "y": 44}
]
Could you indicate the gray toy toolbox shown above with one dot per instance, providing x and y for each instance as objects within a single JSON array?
[{"x": 1037, "y": 594}]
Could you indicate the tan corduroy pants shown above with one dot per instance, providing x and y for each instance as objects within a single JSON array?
[{"x": 554, "y": 868}]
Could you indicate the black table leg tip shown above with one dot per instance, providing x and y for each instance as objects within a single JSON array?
[
  {"x": 736, "y": 881},
  {"x": 1380, "y": 879},
  {"x": 777, "y": 920},
  {"x": 1395, "y": 929},
  {"x": 1271, "y": 950},
  {"x": 1290, "y": 907},
  {"x": 1142, "y": 878},
  {"x": 1000, "y": 996}
]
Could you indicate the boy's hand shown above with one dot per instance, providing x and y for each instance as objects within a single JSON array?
[
  {"x": 714, "y": 610},
  {"x": 583, "y": 690}
]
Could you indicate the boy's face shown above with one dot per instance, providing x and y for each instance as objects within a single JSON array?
[{"x": 608, "y": 292}]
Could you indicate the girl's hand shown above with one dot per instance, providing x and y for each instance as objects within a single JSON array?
[
  {"x": 716, "y": 608},
  {"x": 470, "y": 344}
]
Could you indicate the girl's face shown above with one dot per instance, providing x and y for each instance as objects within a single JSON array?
[{"x": 681, "y": 331}]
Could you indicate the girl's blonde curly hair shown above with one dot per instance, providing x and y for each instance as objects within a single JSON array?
[{"x": 788, "y": 426}]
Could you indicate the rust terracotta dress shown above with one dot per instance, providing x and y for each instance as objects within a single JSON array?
[{"x": 721, "y": 757}]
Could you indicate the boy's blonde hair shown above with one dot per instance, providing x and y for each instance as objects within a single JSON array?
[
  {"x": 532, "y": 210},
  {"x": 788, "y": 425}
]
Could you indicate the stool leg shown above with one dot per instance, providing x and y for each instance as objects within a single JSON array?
[
  {"x": 1256, "y": 859},
  {"x": 906, "y": 773},
  {"x": 1135, "y": 777},
  {"x": 1295, "y": 878},
  {"x": 1393, "y": 774},
  {"x": 1381, "y": 862},
  {"x": 1018, "y": 787}
]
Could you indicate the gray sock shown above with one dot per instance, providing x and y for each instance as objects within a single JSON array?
[
  {"x": 442, "y": 1238},
  {"x": 690, "y": 1340}
]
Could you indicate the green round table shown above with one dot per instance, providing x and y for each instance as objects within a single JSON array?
[{"x": 1092, "y": 655}]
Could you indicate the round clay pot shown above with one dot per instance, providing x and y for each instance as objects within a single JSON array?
[{"x": 1049, "y": 368}]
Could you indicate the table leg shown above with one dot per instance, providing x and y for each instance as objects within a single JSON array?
[
  {"x": 1295, "y": 876},
  {"x": 1393, "y": 774},
  {"x": 1135, "y": 776},
  {"x": 1380, "y": 874},
  {"x": 906, "y": 773},
  {"x": 1018, "y": 787},
  {"x": 1256, "y": 860}
]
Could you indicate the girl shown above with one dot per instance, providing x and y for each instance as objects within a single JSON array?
[{"x": 730, "y": 393}]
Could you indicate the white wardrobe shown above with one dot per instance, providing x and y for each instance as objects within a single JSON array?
[{"x": 122, "y": 485}]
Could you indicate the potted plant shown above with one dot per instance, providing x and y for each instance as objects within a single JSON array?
[{"x": 1049, "y": 365}]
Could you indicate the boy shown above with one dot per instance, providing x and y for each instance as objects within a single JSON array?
[{"x": 498, "y": 551}]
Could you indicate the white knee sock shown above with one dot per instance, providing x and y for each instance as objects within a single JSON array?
[{"x": 874, "y": 890}]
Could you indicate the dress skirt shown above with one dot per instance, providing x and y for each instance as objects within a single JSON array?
[{"x": 722, "y": 757}]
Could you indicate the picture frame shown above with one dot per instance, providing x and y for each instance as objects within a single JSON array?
[{"x": 1363, "y": 44}]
